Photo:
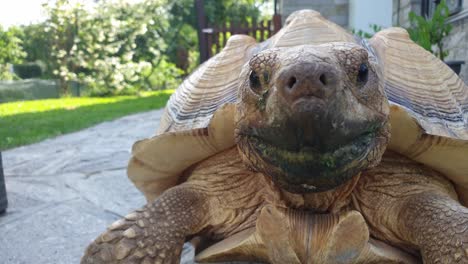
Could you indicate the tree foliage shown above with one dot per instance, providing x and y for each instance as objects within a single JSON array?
[
  {"x": 118, "y": 48},
  {"x": 11, "y": 51},
  {"x": 183, "y": 23},
  {"x": 429, "y": 32},
  {"x": 110, "y": 50},
  {"x": 367, "y": 35},
  {"x": 36, "y": 44}
]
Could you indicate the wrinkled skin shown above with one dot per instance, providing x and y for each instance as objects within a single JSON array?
[
  {"x": 311, "y": 130},
  {"x": 310, "y": 124}
]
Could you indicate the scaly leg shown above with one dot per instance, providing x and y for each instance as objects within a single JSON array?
[
  {"x": 414, "y": 208},
  {"x": 154, "y": 234},
  {"x": 438, "y": 225}
]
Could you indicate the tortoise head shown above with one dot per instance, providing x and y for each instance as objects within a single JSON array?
[{"x": 312, "y": 117}]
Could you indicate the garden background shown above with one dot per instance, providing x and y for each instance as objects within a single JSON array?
[{"x": 123, "y": 52}]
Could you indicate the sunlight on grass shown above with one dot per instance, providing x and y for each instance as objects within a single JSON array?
[
  {"x": 27, "y": 122},
  {"x": 34, "y": 106}
]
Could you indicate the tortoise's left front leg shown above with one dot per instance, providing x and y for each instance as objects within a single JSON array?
[{"x": 414, "y": 207}]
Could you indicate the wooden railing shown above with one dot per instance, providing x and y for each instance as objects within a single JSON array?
[
  {"x": 216, "y": 37},
  {"x": 213, "y": 38}
]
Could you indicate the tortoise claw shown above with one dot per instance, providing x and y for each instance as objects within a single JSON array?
[{"x": 128, "y": 240}]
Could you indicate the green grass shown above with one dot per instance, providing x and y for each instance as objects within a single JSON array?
[{"x": 26, "y": 122}]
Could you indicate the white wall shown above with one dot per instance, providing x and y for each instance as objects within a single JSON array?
[{"x": 365, "y": 12}]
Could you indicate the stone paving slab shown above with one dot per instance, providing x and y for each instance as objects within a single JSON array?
[
  {"x": 52, "y": 232},
  {"x": 63, "y": 192}
]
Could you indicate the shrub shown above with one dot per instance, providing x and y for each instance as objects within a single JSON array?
[
  {"x": 429, "y": 32},
  {"x": 367, "y": 35},
  {"x": 28, "y": 70},
  {"x": 11, "y": 51}
]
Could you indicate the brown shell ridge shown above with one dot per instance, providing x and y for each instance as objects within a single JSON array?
[
  {"x": 309, "y": 27},
  {"x": 428, "y": 107},
  {"x": 422, "y": 85},
  {"x": 158, "y": 162},
  {"x": 448, "y": 155},
  {"x": 213, "y": 84}
]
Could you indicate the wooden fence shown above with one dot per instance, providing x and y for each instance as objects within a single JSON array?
[
  {"x": 213, "y": 38},
  {"x": 216, "y": 37},
  {"x": 32, "y": 89}
]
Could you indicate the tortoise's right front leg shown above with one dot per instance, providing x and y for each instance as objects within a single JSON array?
[{"x": 153, "y": 234}]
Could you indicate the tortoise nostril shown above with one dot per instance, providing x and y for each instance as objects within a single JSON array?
[
  {"x": 291, "y": 82},
  {"x": 323, "y": 79}
]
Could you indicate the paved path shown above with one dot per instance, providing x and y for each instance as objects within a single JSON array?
[{"x": 63, "y": 192}]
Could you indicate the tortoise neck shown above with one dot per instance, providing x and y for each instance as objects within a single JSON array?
[{"x": 322, "y": 202}]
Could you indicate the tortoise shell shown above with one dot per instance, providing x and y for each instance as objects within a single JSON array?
[{"x": 429, "y": 105}]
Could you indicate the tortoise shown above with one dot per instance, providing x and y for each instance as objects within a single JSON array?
[{"x": 311, "y": 147}]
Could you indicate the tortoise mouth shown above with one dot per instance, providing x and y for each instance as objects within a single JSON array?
[{"x": 309, "y": 169}]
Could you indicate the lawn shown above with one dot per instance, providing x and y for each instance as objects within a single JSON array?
[{"x": 27, "y": 122}]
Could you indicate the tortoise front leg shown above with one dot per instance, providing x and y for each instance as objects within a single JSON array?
[
  {"x": 154, "y": 234},
  {"x": 438, "y": 225},
  {"x": 414, "y": 208}
]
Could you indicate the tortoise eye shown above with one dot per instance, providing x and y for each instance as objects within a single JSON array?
[
  {"x": 363, "y": 73},
  {"x": 254, "y": 81}
]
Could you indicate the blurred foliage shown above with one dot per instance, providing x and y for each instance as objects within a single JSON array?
[
  {"x": 232, "y": 11},
  {"x": 430, "y": 32},
  {"x": 11, "y": 51},
  {"x": 36, "y": 45},
  {"x": 367, "y": 35},
  {"x": 117, "y": 47},
  {"x": 28, "y": 70},
  {"x": 183, "y": 23}
]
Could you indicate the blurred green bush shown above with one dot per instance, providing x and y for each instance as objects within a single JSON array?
[
  {"x": 116, "y": 47},
  {"x": 28, "y": 70}
]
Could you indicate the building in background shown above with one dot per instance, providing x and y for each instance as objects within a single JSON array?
[
  {"x": 334, "y": 10},
  {"x": 457, "y": 41},
  {"x": 363, "y": 13},
  {"x": 352, "y": 14},
  {"x": 360, "y": 14}
]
